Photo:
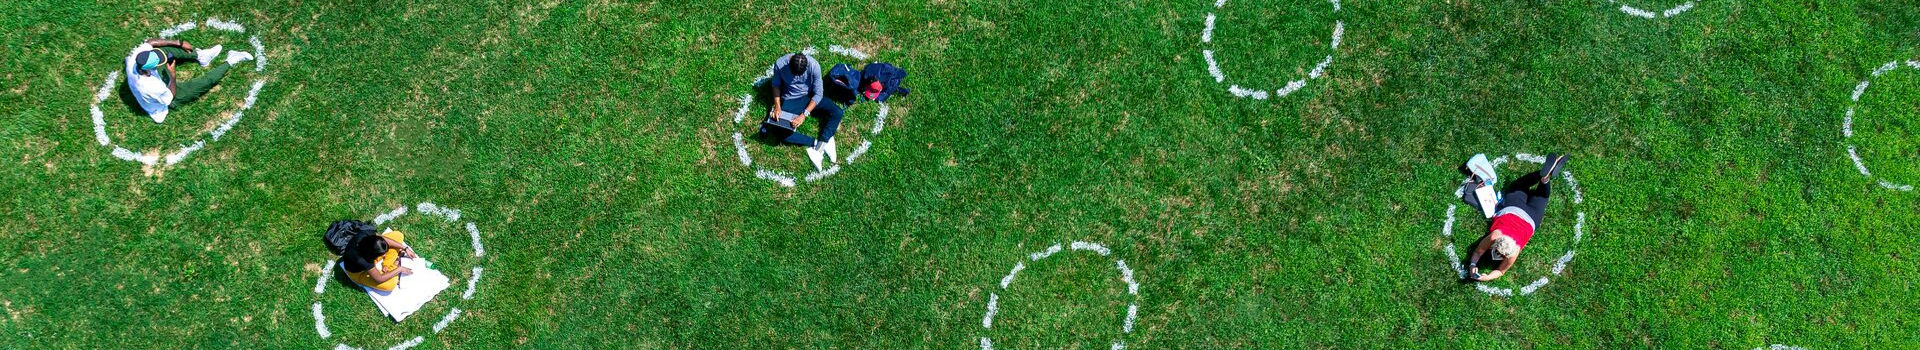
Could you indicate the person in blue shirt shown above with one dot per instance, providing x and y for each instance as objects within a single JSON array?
[{"x": 798, "y": 91}]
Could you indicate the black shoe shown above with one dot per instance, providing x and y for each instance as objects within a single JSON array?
[{"x": 1553, "y": 165}]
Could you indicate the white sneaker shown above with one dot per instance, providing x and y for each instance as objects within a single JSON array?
[
  {"x": 237, "y": 56},
  {"x": 207, "y": 55},
  {"x": 813, "y": 154},
  {"x": 833, "y": 152}
]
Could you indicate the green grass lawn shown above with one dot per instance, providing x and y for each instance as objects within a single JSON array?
[{"x": 592, "y": 145}]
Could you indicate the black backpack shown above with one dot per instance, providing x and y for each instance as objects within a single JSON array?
[{"x": 344, "y": 233}]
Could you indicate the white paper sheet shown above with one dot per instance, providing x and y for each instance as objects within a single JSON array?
[{"x": 414, "y": 291}]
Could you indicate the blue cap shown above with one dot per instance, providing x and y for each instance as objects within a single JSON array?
[{"x": 150, "y": 59}]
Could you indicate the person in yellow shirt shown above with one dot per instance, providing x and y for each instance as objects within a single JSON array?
[{"x": 375, "y": 260}]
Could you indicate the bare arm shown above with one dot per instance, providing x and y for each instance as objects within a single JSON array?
[
  {"x": 405, "y": 250},
  {"x": 1502, "y": 271},
  {"x": 772, "y": 79},
  {"x": 171, "y": 74},
  {"x": 380, "y": 274},
  {"x": 182, "y": 44}
]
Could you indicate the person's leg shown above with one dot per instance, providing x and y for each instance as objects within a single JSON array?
[
  {"x": 795, "y": 138},
  {"x": 828, "y": 113},
  {"x": 188, "y": 91},
  {"x": 391, "y": 260},
  {"x": 178, "y": 54},
  {"x": 1536, "y": 202},
  {"x": 795, "y": 106},
  {"x": 1511, "y": 198}
]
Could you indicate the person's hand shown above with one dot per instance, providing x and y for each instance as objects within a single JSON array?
[
  {"x": 408, "y": 252},
  {"x": 378, "y": 269},
  {"x": 1490, "y": 276},
  {"x": 185, "y": 46},
  {"x": 799, "y": 119},
  {"x": 405, "y": 271},
  {"x": 773, "y": 114}
]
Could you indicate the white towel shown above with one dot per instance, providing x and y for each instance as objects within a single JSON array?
[{"x": 414, "y": 291}]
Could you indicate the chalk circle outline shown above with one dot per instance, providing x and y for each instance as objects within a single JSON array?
[
  {"x": 1126, "y": 275},
  {"x": 1220, "y": 76},
  {"x": 429, "y": 208},
  {"x": 1846, "y": 125},
  {"x": 1559, "y": 266},
  {"x": 1650, "y": 14},
  {"x": 785, "y": 178},
  {"x": 174, "y": 157}
]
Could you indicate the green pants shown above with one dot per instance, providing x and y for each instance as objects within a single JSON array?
[{"x": 190, "y": 90}]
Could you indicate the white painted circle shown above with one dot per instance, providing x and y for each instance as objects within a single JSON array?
[
  {"x": 1579, "y": 229},
  {"x": 1651, "y": 14},
  {"x": 1219, "y": 76},
  {"x": 1846, "y": 125},
  {"x": 1126, "y": 275},
  {"x": 1779, "y": 347},
  {"x": 788, "y": 179},
  {"x": 473, "y": 278},
  {"x": 171, "y": 158}
]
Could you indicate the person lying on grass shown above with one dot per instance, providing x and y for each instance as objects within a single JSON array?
[
  {"x": 1522, "y": 206},
  {"x": 797, "y": 93},
  {"x": 375, "y": 260},
  {"x": 155, "y": 88}
]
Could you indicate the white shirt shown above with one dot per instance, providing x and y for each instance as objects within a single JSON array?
[{"x": 149, "y": 90}]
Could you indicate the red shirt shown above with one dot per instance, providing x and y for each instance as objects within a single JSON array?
[{"x": 1512, "y": 225}]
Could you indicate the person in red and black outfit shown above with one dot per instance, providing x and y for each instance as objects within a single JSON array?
[{"x": 1522, "y": 206}]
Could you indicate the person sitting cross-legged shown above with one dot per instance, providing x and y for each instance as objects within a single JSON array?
[
  {"x": 798, "y": 91},
  {"x": 1521, "y": 208},
  {"x": 151, "y": 75},
  {"x": 374, "y": 261}
]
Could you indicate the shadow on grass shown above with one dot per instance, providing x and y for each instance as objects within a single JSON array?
[{"x": 340, "y": 279}]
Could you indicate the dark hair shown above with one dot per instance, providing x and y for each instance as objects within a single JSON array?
[
  {"x": 372, "y": 247},
  {"x": 797, "y": 64}
]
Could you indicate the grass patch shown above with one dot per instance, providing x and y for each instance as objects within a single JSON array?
[{"x": 591, "y": 142}]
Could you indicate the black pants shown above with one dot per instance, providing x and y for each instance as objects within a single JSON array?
[{"x": 1528, "y": 193}]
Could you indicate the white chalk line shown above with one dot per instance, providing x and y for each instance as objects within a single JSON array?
[
  {"x": 1559, "y": 266},
  {"x": 1846, "y": 125},
  {"x": 788, "y": 180},
  {"x": 859, "y": 151},
  {"x": 474, "y": 233},
  {"x": 320, "y": 319},
  {"x": 320, "y": 285},
  {"x": 472, "y": 283},
  {"x": 446, "y": 214},
  {"x": 187, "y": 148},
  {"x": 1220, "y": 76},
  {"x": 390, "y": 215},
  {"x": 438, "y": 326},
  {"x": 1120, "y": 265},
  {"x": 849, "y": 52},
  {"x": 1651, "y": 14},
  {"x": 216, "y": 23},
  {"x": 1017, "y": 266},
  {"x": 1779, "y": 347},
  {"x": 993, "y": 307},
  {"x": 451, "y": 215},
  {"x": 177, "y": 29},
  {"x": 409, "y": 343}
]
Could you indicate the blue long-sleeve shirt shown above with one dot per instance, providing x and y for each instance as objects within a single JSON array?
[{"x": 805, "y": 85}]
